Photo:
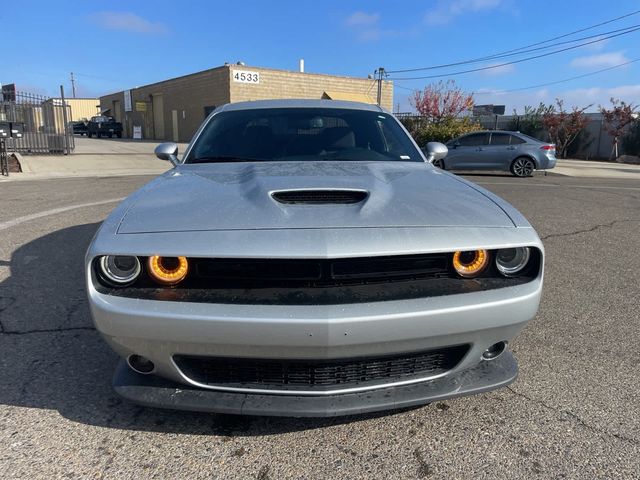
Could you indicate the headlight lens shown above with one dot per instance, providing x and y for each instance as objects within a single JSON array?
[
  {"x": 119, "y": 269},
  {"x": 471, "y": 263},
  {"x": 511, "y": 261},
  {"x": 168, "y": 270}
]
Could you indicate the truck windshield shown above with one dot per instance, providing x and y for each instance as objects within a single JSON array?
[{"x": 303, "y": 134}]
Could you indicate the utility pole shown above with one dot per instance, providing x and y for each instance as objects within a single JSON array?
[
  {"x": 67, "y": 146},
  {"x": 380, "y": 73},
  {"x": 73, "y": 85}
]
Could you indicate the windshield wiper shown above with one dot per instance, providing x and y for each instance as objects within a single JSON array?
[{"x": 224, "y": 158}]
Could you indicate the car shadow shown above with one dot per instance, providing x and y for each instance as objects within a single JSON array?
[{"x": 52, "y": 357}]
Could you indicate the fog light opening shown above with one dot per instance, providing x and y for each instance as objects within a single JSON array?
[
  {"x": 140, "y": 364},
  {"x": 494, "y": 351}
]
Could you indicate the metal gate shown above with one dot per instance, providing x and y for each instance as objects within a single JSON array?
[
  {"x": 4, "y": 161},
  {"x": 39, "y": 124}
]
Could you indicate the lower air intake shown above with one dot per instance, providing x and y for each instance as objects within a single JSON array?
[{"x": 318, "y": 374}]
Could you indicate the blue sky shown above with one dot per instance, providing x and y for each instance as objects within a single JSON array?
[{"x": 115, "y": 45}]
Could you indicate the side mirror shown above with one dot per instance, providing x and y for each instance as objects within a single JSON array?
[
  {"x": 168, "y": 151},
  {"x": 435, "y": 151}
]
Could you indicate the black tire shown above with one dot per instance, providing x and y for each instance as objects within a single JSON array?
[
  {"x": 439, "y": 164},
  {"x": 522, "y": 167},
  {"x": 88, "y": 134},
  {"x": 111, "y": 135}
]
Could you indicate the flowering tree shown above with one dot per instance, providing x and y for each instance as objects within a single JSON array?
[
  {"x": 616, "y": 120},
  {"x": 562, "y": 126},
  {"x": 441, "y": 101}
]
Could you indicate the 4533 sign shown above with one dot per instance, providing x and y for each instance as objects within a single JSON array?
[{"x": 243, "y": 76}]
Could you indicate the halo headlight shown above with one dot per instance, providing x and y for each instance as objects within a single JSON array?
[
  {"x": 119, "y": 270},
  {"x": 168, "y": 270},
  {"x": 511, "y": 261},
  {"x": 470, "y": 264}
]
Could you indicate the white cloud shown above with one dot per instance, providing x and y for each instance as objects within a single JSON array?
[
  {"x": 498, "y": 69},
  {"x": 626, "y": 91},
  {"x": 128, "y": 22},
  {"x": 445, "y": 11},
  {"x": 601, "y": 60},
  {"x": 367, "y": 27},
  {"x": 362, "y": 19}
]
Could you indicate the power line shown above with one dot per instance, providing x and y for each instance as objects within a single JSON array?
[
  {"x": 489, "y": 67},
  {"x": 405, "y": 88},
  {"x": 578, "y": 31},
  {"x": 97, "y": 77},
  {"x": 489, "y": 57},
  {"x": 547, "y": 84},
  {"x": 516, "y": 53},
  {"x": 558, "y": 81}
]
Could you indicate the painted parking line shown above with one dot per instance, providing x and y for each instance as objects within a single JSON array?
[{"x": 55, "y": 211}]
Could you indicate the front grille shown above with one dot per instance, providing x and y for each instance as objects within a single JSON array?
[
  {"x": 262, "y": 273},
  {"x": 320, "y": 197},
  {"x": 260, "y": 281},
  {"x": 318, "y": 375}
]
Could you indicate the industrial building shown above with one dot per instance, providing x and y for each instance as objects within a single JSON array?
[{"x": 173, "y": 109}]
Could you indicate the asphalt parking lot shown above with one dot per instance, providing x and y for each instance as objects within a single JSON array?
[{"x": 574, "y": 412}]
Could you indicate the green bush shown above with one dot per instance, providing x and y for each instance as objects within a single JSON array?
[
  {"x": 443, "y": 131},
  {"x": 531, "y": 123}
]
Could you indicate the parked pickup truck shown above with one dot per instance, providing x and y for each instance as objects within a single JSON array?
[
  {"x": 79, "y": 127},
  {"x": 104, "y": 126}
]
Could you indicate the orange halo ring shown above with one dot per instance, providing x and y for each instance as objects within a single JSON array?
[
  {"x": 473, "y": 268},
  {"x": 167, "y": 276}
]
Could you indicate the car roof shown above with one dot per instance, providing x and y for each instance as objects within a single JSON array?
[
  {"x": 301, "y": 103},
  {"x": 508, "y": 132}
]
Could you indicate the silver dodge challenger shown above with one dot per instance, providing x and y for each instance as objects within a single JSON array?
[{"x": 304, "y": 258}]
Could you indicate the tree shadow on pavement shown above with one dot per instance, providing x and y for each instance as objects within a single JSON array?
[{"x": 51, "y": 357}]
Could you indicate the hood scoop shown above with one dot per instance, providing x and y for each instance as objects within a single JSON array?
[{"x": 320, "y": 197}]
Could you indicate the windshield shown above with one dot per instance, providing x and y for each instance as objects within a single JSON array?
[{"x": 303, "y": 134}]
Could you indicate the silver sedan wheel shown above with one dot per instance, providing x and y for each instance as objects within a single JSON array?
[{"x": 522, "y": 167}]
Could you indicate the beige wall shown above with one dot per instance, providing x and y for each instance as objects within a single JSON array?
[
  {"x": 52, "y": 113},
  {"x": 82, "y": 107},
  {"x": 276, "y": 84},
  {"x": 187, "y": 96},
  {"x": 185, "y": 99}
]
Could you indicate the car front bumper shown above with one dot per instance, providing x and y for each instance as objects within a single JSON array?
[
  {"x": 153, "y": 391},
  {"x": 158, "y": 330}
]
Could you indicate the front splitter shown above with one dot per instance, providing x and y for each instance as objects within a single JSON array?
[{"x": 153, "y": 391}]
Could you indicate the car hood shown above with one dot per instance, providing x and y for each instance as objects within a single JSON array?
[{"x": 238, "y": 196}]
